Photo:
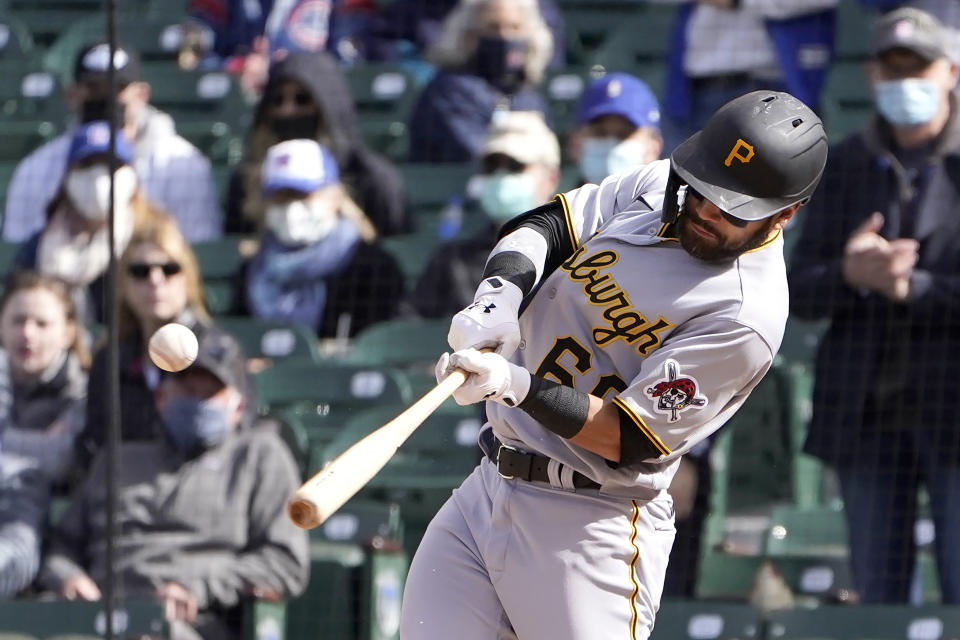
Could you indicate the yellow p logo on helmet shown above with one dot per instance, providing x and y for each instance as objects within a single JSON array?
[{"x": 740, "y": 146}]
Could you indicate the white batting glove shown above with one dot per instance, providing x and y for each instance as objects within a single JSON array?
[
  {"x": 491, "y": 321},
  {"x": 492, "y": 377}
]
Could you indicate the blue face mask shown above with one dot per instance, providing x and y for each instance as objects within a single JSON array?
[
  {"x": 194, "y": 423},
  {"x": 910, "y": 102},
  {"x": 506, "y": 195},
  {"x": 602, "y": 157}
]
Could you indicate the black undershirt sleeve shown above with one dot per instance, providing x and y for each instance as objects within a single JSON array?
[{"x": 550, "y": 221}]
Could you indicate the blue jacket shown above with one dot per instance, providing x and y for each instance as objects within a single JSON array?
[{"x": 804, "y": 46}]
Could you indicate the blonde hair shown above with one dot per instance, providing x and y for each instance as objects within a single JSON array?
[
  {"x": 460, "y": 27},
  {"x": 30, "y": 280},
  {"x": 164, "y": 233}
]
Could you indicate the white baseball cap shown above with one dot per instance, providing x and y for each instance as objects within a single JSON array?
[
  {"x": 523, "y": 136},
  {"x": 300, "y": 165}
]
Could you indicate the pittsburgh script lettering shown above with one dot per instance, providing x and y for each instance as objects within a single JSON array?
[{"x": 603, "y": 291}]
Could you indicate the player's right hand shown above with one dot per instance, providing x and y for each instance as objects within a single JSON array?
[
  {"x": 491, "y": 321},
  {"x": 80, "y": 587}
]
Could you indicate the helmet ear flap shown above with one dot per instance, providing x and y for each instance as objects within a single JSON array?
[{"x": 671, "y": 199}]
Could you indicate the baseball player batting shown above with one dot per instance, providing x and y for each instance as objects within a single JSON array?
[{"x": 631, "y": 320}]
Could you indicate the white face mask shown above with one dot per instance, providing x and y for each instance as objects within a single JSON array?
[
  {"x": 301, "y": 222},
  {"x": 89, "y": 190},
  {"x": 602, "y": 157}
]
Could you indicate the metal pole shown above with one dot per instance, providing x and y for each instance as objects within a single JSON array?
[{"x": 110, "y": 589}]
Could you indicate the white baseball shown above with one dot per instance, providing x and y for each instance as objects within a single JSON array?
[{"x": 173, "y": 347}]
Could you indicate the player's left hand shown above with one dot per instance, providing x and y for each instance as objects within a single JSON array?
[
  {"x": 178, "y": 602},
  {"x": 492, "y": 377}
]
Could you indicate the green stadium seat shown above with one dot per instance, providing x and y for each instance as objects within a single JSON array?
[
  {"x": 626, "y": 50},
  {"x": 221, "y": 263},
  {"x": 47, "y": 19},
  {"x": 22, "y": 137},
  {"x": 48, "y": 618},
  {"x": 426, "y": 468},
  {"x": 726, "y": 576},
  {"x": 854, "y": 22},
  {"x": 412, "y": 252},
  {"x": 589, "y": 26},
  {"x": 405, "y": 341},
  {"x": 681, "y": 620},
  {"x": 16, "y": 43},
  {"x": 865, "y": 622},
  {"x": 433, "y": 185},
  {"x": 154, "y": 39},
  {"x": 820, "y": 532},
  {"x": 197, "y": 96},
  {"x": 275, "y": 340},
  {"x": 760, "y": 450},
  {"x": 7, "y": 168},
  {"x": 383, "y": 95},
  {"x": 329, "y": 387},
  {"x": 27, "y": 93},
  {"x": 563, "y": 88},
  {"x": 357, "y": 570},
  {"x": 847, "y": 99}
]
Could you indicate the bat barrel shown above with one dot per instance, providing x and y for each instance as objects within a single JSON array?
[{"x": 304, "y": 514}]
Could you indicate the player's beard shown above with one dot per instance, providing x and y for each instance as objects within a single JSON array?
[{"x": 717, "y": 248}]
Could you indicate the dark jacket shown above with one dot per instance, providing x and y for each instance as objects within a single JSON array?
[
  {"x": 452, "y": 115},
  {"x": 883, "y": 366},
  {"x": 367, "y": 290},
  {"x": 452, "y": 275},
  {"x": 139, "y": 418},
  {"x": 46, "y": 416},
  {"x": 369, "y": 177}
]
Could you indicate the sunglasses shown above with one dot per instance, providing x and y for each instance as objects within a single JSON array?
[
  {"x": 498, "y": 161},
  {"x": 735, "y": 221},
  {"x": 142, "y": 270},
  {"x": 300, "y": 98}
]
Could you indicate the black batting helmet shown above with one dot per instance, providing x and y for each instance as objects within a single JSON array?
[{"x": 758, "y": 154}]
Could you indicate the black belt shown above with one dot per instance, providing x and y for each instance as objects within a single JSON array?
[
  {"x": 532, "y": 467},
  {"x": 724, "y": 81}
]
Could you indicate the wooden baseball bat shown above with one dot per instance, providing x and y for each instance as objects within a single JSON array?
[{"x": 320, "y": 496}]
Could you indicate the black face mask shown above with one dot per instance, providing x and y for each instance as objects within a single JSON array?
[
  {"x": 96, "y": 109},
  {"x": 500, "y": 61},
  {"x": 292, "y": 128}
]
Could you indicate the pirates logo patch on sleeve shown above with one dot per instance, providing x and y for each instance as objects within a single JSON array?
[{"x": 675, "y": 394}]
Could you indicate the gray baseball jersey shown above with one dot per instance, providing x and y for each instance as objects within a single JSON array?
[{"x": 678, "y": 344}]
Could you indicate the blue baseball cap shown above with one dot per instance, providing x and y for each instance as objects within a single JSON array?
[
  {"x": 93, "y": 138},
  {"x": 301, "y": 165},
  {"x": 620, "y": 94}
]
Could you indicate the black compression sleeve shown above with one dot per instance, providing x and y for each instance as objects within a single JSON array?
[
  {"x": 635, "y": 446},
  {"x": 550, "y": 221},
  {"x": 514, "y": 267},
  {"x": 559, "y": 408}
]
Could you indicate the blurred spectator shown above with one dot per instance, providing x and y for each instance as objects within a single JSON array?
[
  {"x": 878, "y": 258},
  {"x": 234, "y": 28},
  {"x": 721, "y": 49},
  {"x": 73, "y": 245},
  {"x": 45, "y": 359},
  {"x": 314, "y": 266},
  {"x": 947, "y": 11},
  {"x": 24, "y": 500},
  {"x": 618, "y": 127},
  {"x": 417, "y": 24},
  {"x": 520, "y": 169},
  {"x": 158, "y": 282},
  {"x": 201, "y": 508},
  {"x": 308, "y": 97},
  {"x": 491, "y": 54},
  {"x": 173, "y": 173}
]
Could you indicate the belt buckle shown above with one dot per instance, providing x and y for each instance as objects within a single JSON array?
[{"x": 499, "y": 449}]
